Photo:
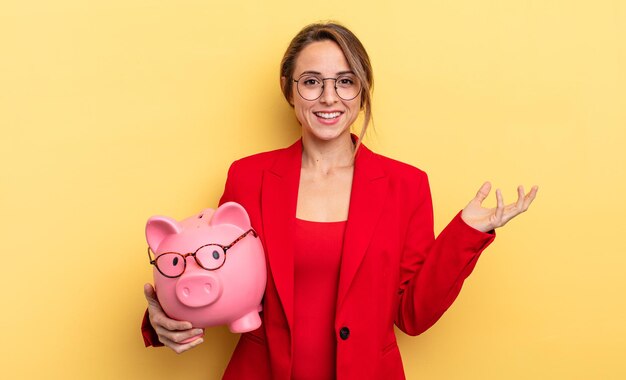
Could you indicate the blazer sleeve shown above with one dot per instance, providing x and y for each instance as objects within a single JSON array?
[
  {"x": 433, "y": 270},
  {"x": 150, "y": 337},
  {"x": 250, "y": 360}
]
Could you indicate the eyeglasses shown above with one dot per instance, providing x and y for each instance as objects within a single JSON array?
[
  {"x": 311, "y": 87},
  {"x": 210, "y": 256}
]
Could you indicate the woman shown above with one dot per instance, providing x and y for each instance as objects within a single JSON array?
[{"x": 348, "y": 233}]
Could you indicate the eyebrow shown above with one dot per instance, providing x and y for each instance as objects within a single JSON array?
[{"x": 311, "y": 72}]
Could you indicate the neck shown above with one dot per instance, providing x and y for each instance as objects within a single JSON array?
[{"x": 325, "y": 155}]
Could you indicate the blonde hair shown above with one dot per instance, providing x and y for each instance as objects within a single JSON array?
[{"x": 352, "y": 49}]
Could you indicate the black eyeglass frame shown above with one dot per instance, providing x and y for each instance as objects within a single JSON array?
[
  {"x": 225, "y": 248},
  {"x": 323, "y": 80}
]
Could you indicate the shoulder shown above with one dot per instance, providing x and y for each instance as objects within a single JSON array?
[
  {"x": 249, "y": 170},
  {"x": 398, "y": 171},
  {"x": 394, "y": 166},
  {"x": 407, "y": 185},
  {"x": 257, "y": 162},
  {"x": 245, "y": 175}
]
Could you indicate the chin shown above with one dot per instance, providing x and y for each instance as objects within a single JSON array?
[{"x": 328, "y": 134}]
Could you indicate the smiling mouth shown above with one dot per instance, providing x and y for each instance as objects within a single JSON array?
[{"x": 327, "y": 115}]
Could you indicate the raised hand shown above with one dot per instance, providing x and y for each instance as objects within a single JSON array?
[
  {"x": 487, "y": 219},
  {"x": 180, "y": 336}
]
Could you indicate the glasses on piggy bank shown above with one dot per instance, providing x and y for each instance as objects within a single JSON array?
[{"x": 210, "y": 256}]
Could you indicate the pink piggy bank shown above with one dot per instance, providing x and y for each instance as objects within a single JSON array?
[{"x": 209, "y": 269}]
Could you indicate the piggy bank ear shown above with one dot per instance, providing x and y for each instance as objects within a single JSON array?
[
  {"x": 158, "y": 228},
  {"x": 231, "y": 213}
]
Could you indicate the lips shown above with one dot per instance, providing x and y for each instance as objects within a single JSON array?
[{"x": 328, "y": 115}]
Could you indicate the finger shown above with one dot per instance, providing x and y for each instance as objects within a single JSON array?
[
  {"x": 483, "y": 192},
  {"x": 180, "y": 348},
  {"x": 157, "y": 315},
  {"x": 499, "y": 208},
  {"x": 179, "y": 336},
  {"x": 187, "y": 336},
  {"x": 161, "y": 319},
  {"x": 519, "y": 205},
  {"x": 192, "y": 344},
  {"x": 149, "y": 292},
  {"x": 151, "y": 297},
  {"x": 530, "y": 197}
]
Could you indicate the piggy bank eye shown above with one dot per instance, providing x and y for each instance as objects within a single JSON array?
[
  {"x": 170, "y": 264},
  {"x": 211, "y": 257}
]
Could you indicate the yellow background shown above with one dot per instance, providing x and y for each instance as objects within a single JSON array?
[{"x": 114, "y": 111}]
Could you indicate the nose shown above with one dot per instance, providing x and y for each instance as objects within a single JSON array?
[
  {"x": 329, "y": 93},
  {"x": 198, "y": 289}
]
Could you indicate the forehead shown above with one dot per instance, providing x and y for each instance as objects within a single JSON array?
[{"x": 324, "y": 57}]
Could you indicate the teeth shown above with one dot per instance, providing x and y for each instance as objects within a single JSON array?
[{"x": 327, "y": 115}]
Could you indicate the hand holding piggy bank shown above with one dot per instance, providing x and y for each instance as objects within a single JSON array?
[{"x": 209, "y": 269}]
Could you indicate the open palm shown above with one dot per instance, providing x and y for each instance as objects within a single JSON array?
[{"x": 487, "y": 219}]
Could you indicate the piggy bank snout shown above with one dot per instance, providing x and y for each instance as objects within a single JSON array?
[{"x": 198, "y": 289}]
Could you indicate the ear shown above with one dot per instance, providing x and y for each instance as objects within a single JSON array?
[
  {"x": 158, "y": 228},
  {"x": 283, "y": 82},
  {"x": 231, "y": 213}
]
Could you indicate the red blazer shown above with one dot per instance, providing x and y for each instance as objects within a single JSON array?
[{"x": 393, "y": 271}]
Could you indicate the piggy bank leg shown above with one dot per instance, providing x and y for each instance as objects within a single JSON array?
[{"x": 248, "y": 322}]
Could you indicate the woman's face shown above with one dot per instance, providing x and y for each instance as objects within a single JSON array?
[{"x": 329, "y": 116}]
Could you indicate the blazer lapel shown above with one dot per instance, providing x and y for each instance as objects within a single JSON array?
[
  {"x": 279, "y": 196},
  {"x": 367, "y": 200}
]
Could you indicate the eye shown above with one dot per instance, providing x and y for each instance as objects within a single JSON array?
[
  {"x": 170, "y": 264},
  {"x": 345, "y": 81},
  {"x": 311, "y": 81},
  {"x": 210, "y": 256}
]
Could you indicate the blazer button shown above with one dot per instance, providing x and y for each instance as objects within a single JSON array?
[{"x": 344, "y": 333}]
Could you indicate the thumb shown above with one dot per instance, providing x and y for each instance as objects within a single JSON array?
[
  {"x": 483, "y": 192},
  {"x": 150, "y": 293}
]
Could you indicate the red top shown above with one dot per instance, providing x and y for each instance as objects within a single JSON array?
[{"x": 317, "y": 259}]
